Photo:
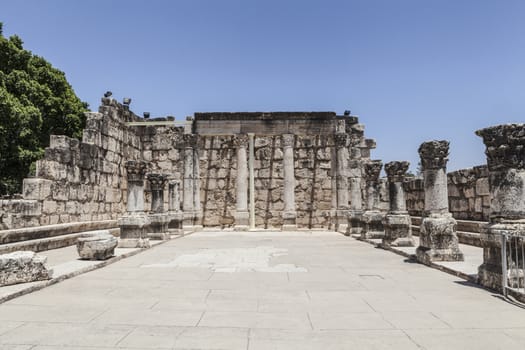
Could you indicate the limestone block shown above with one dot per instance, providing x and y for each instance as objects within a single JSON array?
[
  {"x": 35, "y": 188},
  {"x": 482, "y": 187},
  {"x": 97, "y": 245},
  {"x": 23, "y": 266}
]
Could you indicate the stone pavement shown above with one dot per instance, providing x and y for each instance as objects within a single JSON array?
[{"x": 262, "y": 290}]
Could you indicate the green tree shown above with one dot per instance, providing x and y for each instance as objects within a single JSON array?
[{"x": 35, "y": 101}]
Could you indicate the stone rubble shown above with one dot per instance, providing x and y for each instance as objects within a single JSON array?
[{"x": 22, "y": 267}]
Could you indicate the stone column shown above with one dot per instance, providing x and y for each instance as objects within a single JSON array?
[
  {"x": 134, "y": 224},
  {"x": 190, "y": 141},
  {"x": 355, "y": 214},
  {"x": 241, "y": 208},
  {"x": 197, "y": 208},
  {"x": 341, "y": 145},
  {"x": 505, "y": 152},
  {"x": 156, "y": 185},
  {"x": 175, "y": 214},
  {"x": 398, "y": 230},
  {"x": 173, "y": 196},
  {"x": 289, "y": 214},
  {"x": 438, "y": 240},
  {"x": 159, "y": 220},
  {"x": 372, "y": 217}
]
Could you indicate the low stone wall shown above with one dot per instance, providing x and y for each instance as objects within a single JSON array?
[
  {"x": 79, "y": 180},
  {"x": 468, "y": 194}
]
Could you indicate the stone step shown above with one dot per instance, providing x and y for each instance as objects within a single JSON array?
[
  {"x": 48, "y": 231},
  {"x": 47, "y": 243}
]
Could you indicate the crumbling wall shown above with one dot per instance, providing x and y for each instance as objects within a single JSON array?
[
  {"x": 468, "y": 194},
  {"x": 79, "y": 180}
]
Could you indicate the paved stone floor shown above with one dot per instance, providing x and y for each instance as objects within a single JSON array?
[{"x": 262, "y": 290}]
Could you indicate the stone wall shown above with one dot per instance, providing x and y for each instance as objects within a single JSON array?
[
  {"x": 79, "y": 180},
  {"x": 468, "y": 194}
]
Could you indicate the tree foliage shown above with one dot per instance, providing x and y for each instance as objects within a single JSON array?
[{"x": 35, "y": 101}]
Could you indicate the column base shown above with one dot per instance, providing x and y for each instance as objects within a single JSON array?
[
  {"x": 133, "y": 230},
  {"x": 490, "y": 273},
  {"x": 438, "y": 240},
  {"x": 373, "y": 225},
  {"x": 175, "y": 220},
  {"x": 398, "y": 231},
  {"x": 159, "y": 226},
  {"x": 341, "y": 220},
  {"x": 355, "y": 223},
  {"x": 289, "y": 221},
  {"x": 134, "y": 243},
  {"x": 242, "y": 219}
]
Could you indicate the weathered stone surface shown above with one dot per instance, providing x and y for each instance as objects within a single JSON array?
[
  {"x": 438, "y": 240},
  {"x": 98, "y": 245},
  {"x": 505, "y": 152},
  {"x": 22, "y": 267},
  {"x": 133, "y": 231},
  {"x": 398, "y": 231}
]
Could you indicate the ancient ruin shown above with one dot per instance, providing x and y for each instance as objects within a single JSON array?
[{"x": 148, "y": 180}]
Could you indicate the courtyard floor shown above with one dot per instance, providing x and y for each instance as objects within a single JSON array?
[{"x": 262, "y": 290}]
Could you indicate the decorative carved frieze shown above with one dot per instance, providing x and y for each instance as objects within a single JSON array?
[
  {"x": 434, "y": 154},
  {"x": 396, "y": 171},
  {"x": 136, "y": 169},
  {"x": 288, "y": 140},
  {"x": 372, "y": 170},
  {"x": 505, "y": 146},
  {"x": 156, "y": 181},
  {"x": 341, "y": 140},
  {"x": 240, "y": 141}
]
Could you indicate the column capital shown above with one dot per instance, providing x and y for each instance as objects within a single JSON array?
[
  {"x": 504, "y": 146},
  {"x": 136, "y": 169},
  {"x": 395, "y": 171},
  {"x": 190, "y": 140},
  {"x": 174, "y": 182},
  {"x": 156, "y": 181},
  {"x": 341, "y": 140},
  {"x": 372, "y": 170},
  {"x": 434, "y": 154},
  {"x": 240, "y": 140},
  {"x": 288, "y": 140}
]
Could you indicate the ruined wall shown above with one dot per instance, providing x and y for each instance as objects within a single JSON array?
[
  {"x": 468, "y": 194},
  {"x": 79, "y": 181}
]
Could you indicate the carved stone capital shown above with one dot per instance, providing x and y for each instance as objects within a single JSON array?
[
  {"x": 156, "y": 181},
  {"x": 434, "y": 154},
  {"x": 288, "y": 140},
  {"x": 396, "y": 171},
  {"x": 135, "y": 170},
  {"x": 505, "y": 146},
  {"x": 341, "y": 140},
  {"x": 372, "y": 170},
  {"x": 174, "y": 183},
  {"x": 190, "y": 140},
  {"x": 240, "y": 141}
]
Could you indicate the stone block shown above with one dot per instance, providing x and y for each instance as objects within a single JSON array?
[
  {"x": 97, "y": 245},
  {"x": 482, "y": 187},
  {"x": 22, "y": 267}
]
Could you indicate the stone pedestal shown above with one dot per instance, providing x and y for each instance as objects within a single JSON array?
[
  {"x": 242, "y": 216},
  {"x": 505, "y": 152},
  {"x": 22, "y": 267},
  {"x": 398, "y": 230},
  {"x": 372, "y": 219},
  {"x": 134, "y": 231},
  {"x": 438, "y": 240},
  {"x": 134, "y": 224},
  {"x": 98, "y": 245},
  {"x": 158, "y": 228},
  {"x": 289, "y": 214}
]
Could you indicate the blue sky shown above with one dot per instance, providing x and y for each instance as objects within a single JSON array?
[{"x": 413, "y": 70}]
